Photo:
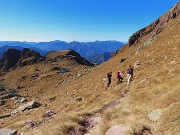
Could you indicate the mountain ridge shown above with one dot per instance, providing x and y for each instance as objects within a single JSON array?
[{"x": 86, "y": 49}]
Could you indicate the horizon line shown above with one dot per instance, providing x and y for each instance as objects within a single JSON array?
[{"x": 61, "y": 41}]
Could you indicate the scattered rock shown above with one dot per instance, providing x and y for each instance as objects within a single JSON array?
[
  {"x": 57, "y": 84},
  {"x": 5, "y": 116},
  {"x": 173, "y": 62},
  {"x": 138, "y": 50},
  {"x": 22, "y": 100},
  {"x": 2, "y": 102},
  {"x": 125, "y": 109},
  {"x": 137, "y": 64},
  {"x": 2, "y": 88},
  {"x": 8, "y": 132},
  {"x": 12, "y": 93},
  {"x": 78, "y": 99},
  {"x": 155, "y": 114},
  {"x": 79, "y": 75},
  {"x": 52, "y": 98},
  {"x": 31, "y": 123},
  {"x": 121, "y": 60},
  {"x": 143, "y": 131},
  {"x": 55, "y": 68},
  {"x": 63, "y": 71},
  {"x": 48, "y": 114},
  {"x": 118, "y": 130}
]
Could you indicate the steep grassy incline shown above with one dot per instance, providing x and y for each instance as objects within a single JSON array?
[{"x": 155, "y": 88}]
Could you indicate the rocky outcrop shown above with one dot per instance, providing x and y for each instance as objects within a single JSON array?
[
  {"x": 29, "y": 57},
  {"x": 10, "y": 59},
  {"x": 73, "y": 53},
  {"x": 13, "y": 57},
  {"x": 70, "y": 55},
  {"x": 157, "y": 26}
]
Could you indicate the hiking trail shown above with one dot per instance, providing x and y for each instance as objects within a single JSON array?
[{"x": 93, "y": 120}]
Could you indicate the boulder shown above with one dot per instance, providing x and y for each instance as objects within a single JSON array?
[
  {"x": 155, "y": 114},
  {"x": 26, "y": 106},
  {"x": 118, "y": 130},
  {"x": 8, "y": 132}
]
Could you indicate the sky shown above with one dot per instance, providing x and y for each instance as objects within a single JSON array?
[{"x": 77, "y": 20}]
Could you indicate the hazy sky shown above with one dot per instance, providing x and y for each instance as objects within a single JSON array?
[{"x": 80, "y": 20}]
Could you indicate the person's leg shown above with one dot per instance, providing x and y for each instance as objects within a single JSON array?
[
  {"x": 118, "y": 80},
  {"x": 121, "y": 79},
  {"x": 109, "y": 82},
  {"x": 129, "y": 78}
]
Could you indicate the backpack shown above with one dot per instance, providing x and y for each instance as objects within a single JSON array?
[{"x": 117, "y": 74}]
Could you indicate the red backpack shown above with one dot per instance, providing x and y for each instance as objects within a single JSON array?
[{"x": 117, "y": 74}]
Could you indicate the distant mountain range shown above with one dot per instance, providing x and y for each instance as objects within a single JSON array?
[
  {"x": 86, "y": 49},
  {"x": 100, "y": 58}
]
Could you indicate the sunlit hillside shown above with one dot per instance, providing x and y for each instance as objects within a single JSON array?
[{"x": 82, "y": 105}]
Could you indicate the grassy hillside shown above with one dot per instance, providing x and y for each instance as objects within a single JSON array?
[{"x": 155, "y": 87}]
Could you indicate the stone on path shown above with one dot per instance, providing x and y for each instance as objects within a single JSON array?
[
  {"x": 118, "y": 130},
  {"x": 8, "y": 132},
  {"x": 155, "y": 114}
]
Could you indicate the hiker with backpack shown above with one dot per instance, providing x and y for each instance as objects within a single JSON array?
[
  {"x": 129, "y": 74},
  {"x": 109, "y": 76},
  {"x": 119, "y": 76}
]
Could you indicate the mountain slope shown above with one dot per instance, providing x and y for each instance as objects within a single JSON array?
[{"x": 154, "y": 90}]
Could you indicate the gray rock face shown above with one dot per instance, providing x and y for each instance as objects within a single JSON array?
[
  {"x": 10, "y": 58},
  {"x": 157, "y": 26},
  {"x": 26, "y": 106},
  {"x": 8, "y": 132}
]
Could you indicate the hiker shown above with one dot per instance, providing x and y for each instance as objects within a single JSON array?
[
  {"x": 119, "y": 76},
  {"x": 129, "y": 74},
  {"x": 109, "y": 75}
]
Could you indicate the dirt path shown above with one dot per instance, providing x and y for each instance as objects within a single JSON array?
[{"x": 91, "y": 121}]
